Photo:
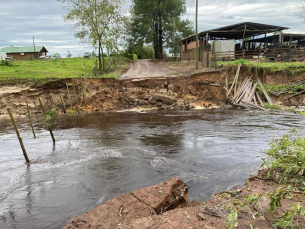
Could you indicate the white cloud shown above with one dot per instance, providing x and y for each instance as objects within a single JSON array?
[
  {"x": 22, "y": 19},
  {"x": 221, "y": 13}
]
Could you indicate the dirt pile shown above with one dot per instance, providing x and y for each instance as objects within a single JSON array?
[
  {"x": 96, "y": 95},
  {"x": 166, "y": 205},
  {"x": 133, "y": 209}
]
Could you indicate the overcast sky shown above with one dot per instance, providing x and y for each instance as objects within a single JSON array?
[{"x": 43, "y": 19}]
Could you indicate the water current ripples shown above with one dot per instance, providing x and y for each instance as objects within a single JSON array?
[{"x": 98, "y": 157}]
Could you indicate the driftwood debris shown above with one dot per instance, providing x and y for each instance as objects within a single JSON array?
[
  {"x": 288, "y": 88},
  {"x": 235, "y": 79},
  {"x": 246, "y": 94},
  {"x": 294, "y": 89},
  {"x": 265, "y": 93}
]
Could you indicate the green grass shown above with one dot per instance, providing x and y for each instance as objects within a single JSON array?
[
  {"x": 269, "y": 106},
  {"x": 293, "y": 67},
  {"x": 40, "y": 71}
]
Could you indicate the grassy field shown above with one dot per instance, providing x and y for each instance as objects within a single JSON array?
[{"x": 39, "y": 71}]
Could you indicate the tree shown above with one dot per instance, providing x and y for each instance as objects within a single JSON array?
[
  {"x": 56, "y": 56},
  {"x": 155, "y": 21},
  {"x": 97, "y": 22},
  {"x": 69, "y": 55},
  {"x": 146, "y": 52},
  {"x": 185, "y": 30}
]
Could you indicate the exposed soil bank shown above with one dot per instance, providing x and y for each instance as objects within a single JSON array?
[
  {"x": 201, "y": 90},
  {"x": 166, "y": 205}
]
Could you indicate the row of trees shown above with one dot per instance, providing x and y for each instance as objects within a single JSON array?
[{"x": 107, "y": 25}]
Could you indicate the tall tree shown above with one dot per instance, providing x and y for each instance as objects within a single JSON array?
[
  {"x": 99, "y": 22},
  {"x": 155, "y": 21}
]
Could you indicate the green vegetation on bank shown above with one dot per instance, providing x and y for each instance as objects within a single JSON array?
[
  {"x": 285, "y": 164},
  {"x": 267, "y": 66},
  {"x": 41, "y": 71}
]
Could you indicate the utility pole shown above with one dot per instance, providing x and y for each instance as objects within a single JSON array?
[
  {"x": 174, "y": 40},
  {"x": 197, "y": 50},
  {"x": 34, "y": 48}
]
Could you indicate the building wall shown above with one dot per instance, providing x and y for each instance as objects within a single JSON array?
[
  {"x": 26, "y": 56},
  {"x": 192, "y": 45}
]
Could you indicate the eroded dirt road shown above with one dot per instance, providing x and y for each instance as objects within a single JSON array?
[{"x": 146, "y": 69}]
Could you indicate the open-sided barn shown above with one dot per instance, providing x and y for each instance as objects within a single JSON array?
[{"x": 251, "y": 41}]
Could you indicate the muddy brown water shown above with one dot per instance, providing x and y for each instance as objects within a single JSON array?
[{"x": 98, "y": 157}]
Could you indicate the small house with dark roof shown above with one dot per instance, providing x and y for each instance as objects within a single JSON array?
[{"x": 25, "y": 53}]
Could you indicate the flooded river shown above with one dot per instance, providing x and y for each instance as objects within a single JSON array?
[{"x": 98, "y": 157}]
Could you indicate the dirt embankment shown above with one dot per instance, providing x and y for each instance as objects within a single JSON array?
[
  {"x": 166, "y": 205},
  {"x": 98, "y": 95},
  {"x": 201, "y": 90}
]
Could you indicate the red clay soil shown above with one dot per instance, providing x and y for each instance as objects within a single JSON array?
[{"x": 166, "y": 206}]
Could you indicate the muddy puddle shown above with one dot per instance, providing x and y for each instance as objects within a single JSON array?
[{"x": 98, "y": 157}]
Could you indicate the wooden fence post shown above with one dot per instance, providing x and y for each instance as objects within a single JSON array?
[
  {"x": 69, "y": 95},
  {"x": 47, "y": 124},
  {"x": 29, "y": 113},
  {"x": 63, "y": 103},
  {"x": 54, "y": 104},
  {"x": 19, "y": 137}
]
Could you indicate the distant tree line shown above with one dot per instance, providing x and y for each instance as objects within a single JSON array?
[{"x": 153, "y": 26}]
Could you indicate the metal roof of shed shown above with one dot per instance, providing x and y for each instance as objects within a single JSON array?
[
  {"x": 23, "y": 49},
  {"x": 286, "y": 37},
  {"x": 236, "y": 31}
]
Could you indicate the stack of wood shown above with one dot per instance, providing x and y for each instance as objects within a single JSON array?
[{"x": 246, "y": 94}]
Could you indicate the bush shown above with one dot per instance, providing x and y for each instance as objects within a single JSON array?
[
  {"x": 146, "y": 52},
  {"x": 287, "y": 164},
  {"x": 269, "y": 106},
  {"x": 134, "y": 57},
  {"x": 131, "y": 56},
  {"x": 6, "y": 63},
  {"x": 240, "y": 61}
]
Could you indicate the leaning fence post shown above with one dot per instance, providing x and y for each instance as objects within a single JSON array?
[
  {"x": 69, "y": 95},
  {"x": 63, "y": 103},
  {"x": 19, "y": 137},
  {"x": 29, "y": 113},
  {"x": 54, "y": 106},
  {"x": 47, "y": 123}
]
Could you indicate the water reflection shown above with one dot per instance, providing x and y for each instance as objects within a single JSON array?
[{"x": 98, "y": 157}]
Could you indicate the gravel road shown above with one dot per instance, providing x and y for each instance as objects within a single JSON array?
[{"x": 146, "y": 69}]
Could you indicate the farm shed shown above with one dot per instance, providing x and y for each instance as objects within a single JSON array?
[
  {"x": 86, "y": 56},
  {"x": 242, "y": 32},
  {"x": 25, "y": 53}
]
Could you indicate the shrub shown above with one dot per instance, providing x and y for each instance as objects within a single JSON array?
[
  {"x": 6, "y": 63},
  {"x": 269, "y": 106},
  {"x": 134, "y": 57},
  {"x": 287, "y": 164}
]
